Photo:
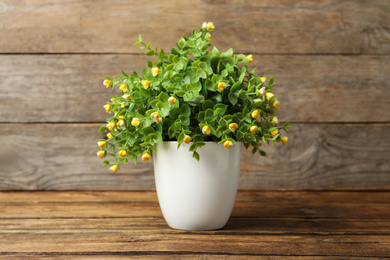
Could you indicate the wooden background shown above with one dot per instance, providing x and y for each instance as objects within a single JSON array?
[{"x": 330, "y": 59}]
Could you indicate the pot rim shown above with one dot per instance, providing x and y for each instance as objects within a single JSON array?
[{"x": 207, "y": 142}]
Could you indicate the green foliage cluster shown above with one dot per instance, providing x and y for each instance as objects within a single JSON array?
[{"x": 199, "y": 95}]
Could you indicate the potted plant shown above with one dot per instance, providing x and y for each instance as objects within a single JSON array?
[{"x": 192, "y": 108}]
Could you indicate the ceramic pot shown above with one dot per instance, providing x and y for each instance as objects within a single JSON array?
[{"x": 196, "y": 195}]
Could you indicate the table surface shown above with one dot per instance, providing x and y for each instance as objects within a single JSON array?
[{"x": 268, "y": 224}]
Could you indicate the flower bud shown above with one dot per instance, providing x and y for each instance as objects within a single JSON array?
[
  {"x": 145, "y": 83},
  {"x": 210, "y": 26},
  {"x": 145, "y": 157},
  {"x": 123, "y": 105},
  {"x": 100, "y": 154},
  {"x": 221, "y": 86},
  {"x": 253, "y": 129},
  {"x": 274, "y": 132},
  {"x": 158, "y": 120},
  {"x": 107, "y": 108},
  {"x": 109, "y": 135},
  {"x": 207, "y": 36},
  {"x": 263, "y": 80},
  {"x": 114, "y": 168},
  {"x": 204, "y": 25},
  {"x": 275, "y": 120},
  {"x": 250, "y": 58},
  {"x": 257, "y": 100},
  {"x": 187, "y": 139},
  {"x": 107, "y": 83},
  {"x": 206, "y": 130},
  {"x": 102, "y": 145},
  {"x": 155, "y": 71},
  {"x": 109, "y": 127},
  {"x": 119, "y": 117},
  {"x": 123, "y": 87},
  {"x": 126, "y": 96},
  {"x": 228, "y": 144},
  {"x": 155, "y": 115},
  {"x": 276, "y": 104},
  {"x": 255, "y": 114},
  {"x": 284, "y": 140},
  {"x": 172, "y": 100},
  {"x": 122, "y": 153},
  {"x": 269, "y": 95},
  {"x": 262, "y": 91},
  {"x": 121, "y": 123},
  {"x": 233, "y": 127},
  {"x": 112, "y": 124},
  {"x": 135, "y": 122}
]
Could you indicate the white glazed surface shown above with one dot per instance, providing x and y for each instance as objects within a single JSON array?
[{"x": 196, "y": 195}]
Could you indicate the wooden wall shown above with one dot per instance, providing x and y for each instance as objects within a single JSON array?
[{"x": 330, "y": 59}]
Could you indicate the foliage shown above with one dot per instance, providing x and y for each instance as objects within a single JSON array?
[{"x": 191, "y": 94}]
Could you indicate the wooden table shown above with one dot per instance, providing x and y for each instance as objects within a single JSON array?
[{"x": 268, "y": 224}]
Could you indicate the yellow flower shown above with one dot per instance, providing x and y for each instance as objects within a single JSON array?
[
  {"x": 187, "y": 139},
  {"x": 114, "y": 168},
  {"x": 123, "y": 153},
  {"x": 228, "y": 144},
  {"x": 158, "y": 120},
  {"x": 172, "y": 100},
  {"x": 210, "y": 26},
  {"x": 107, "y": 83},
  {"x": 253, "y": 129},
  {"x": 121, "y": 123},
  {"x": 109, "y": 127},
  {"x": 204, "y": 25},
  {"x": 262, "y": 91},
  {"x": 112, "y": 124},
  {"x": 275, "y": 120},
  {"x": 145, "y": 157},
  {"x": 135, "y": 122},
  {"x": 206, "y": 130},
  {"x": 233, "y": 127},
  {"x": 119, "y": 117},
  {"x": 126, "y": 96},
  {"x": 255, "y": 114},
  {"x": 274, "y": 132},
  {"x": 250, "y": 57},
  {"x": 276, "y": 104},
  {"x": 284, "y": 140},
  {"x": 123, "y": 105},
  {"x": 109, "y": 135},
  {"x": 123, "y": 87},
  {"x": 263, "y": 80},
  {"x": 107, "y": 107},
  {"x": 155, "y": 115},
  {"x": 207, "y": 36},
  {"x": 221, "y": 86},
  {"x": 145, "y": 83},
  {"x": 155, "y": 71},
  {"x": 269, "y": 95},
  {"x": 100, "y": 154},
  {"x": 102, "y": 145}
]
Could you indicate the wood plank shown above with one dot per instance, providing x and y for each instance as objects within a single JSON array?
[
  {"x": 95, "y": 230},
  {"x": 310, "y": 88},
  {"x": 283, "y": 26},
  {"x": 318, "y": 156}
]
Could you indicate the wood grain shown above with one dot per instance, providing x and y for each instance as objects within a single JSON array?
[
  {"x": 318, "y": 156},
  {"x": 269, "y": 224},
  {"x": 283, "y": 26},
  {"x": 68, "y": 88}
]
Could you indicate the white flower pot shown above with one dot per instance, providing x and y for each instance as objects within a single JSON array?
[{"x": 196, "y": 195}]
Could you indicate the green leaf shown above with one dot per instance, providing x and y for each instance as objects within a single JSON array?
[
  {"x": 271, "y": 81},
  {"x": 150, "y": 64},
  {"x": 161, "y": 55},
  {"x": 233, "y": 98},
  {"x": 174, "y": 112},
  {"x": 185, "y": 109},
  {"x": 148, "y": 130},
  {"x": 103, "y": 129},
  {"x": 207, "y": 104},
  {"x": 196, "y": 156},
  {"x": 150, "y": 53},
  {"x": 163, "y": 97},
  {"x": 139, "y": 37}
]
